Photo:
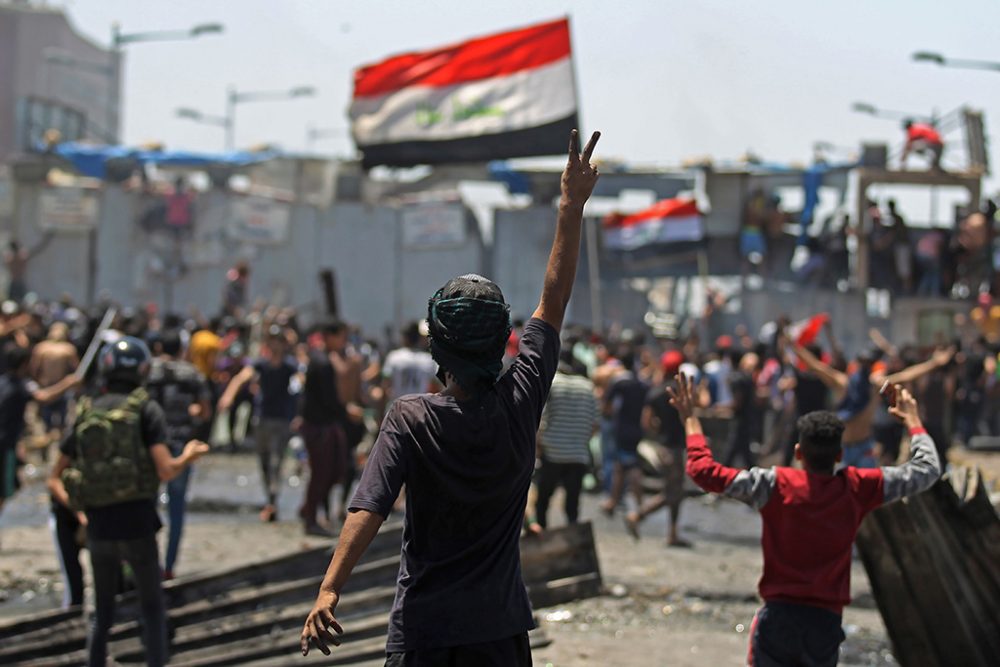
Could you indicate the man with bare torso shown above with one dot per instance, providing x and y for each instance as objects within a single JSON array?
[
  {"x": 51, "y": 361},
  {"x": 330, "y": 406},
  {"x": 857, "y": 401}
]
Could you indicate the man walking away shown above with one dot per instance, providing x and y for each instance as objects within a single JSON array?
[
  {"x": 179, "y": 388},
  {"x": 568, "y": 422},
  {"x": 409, "y": 369},
  {"x": 624, "y": 401},
  {"x": 323, "y": 415},
  {"x": 111, "y": 465},
  {"x": 465, "y": 456},
  {"x": 276, "y": 404}
]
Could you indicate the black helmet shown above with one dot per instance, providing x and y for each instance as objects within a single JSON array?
[{"x": 125, "y": 360}]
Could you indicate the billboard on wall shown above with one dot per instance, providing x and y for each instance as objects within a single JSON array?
[
  {"x": 258, "y": 220},
  {"x": 67, "y": 209},
  {"x": 433, "y": 226}
]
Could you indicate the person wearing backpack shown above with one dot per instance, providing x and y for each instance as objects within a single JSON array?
[{"x": 110, "y": 467}]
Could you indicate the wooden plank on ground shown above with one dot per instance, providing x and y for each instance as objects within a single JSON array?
[
  {"x": 934, "y": 564},
  {"x": 252, "y": 613}
]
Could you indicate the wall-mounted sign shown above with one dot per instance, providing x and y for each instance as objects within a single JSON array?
[
  {"x": 433, "y": 226},
  {"x": 258, "y": 220},
  {"x": 67, "y": 209}
]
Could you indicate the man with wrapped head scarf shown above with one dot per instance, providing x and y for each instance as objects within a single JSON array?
[{"x": 466, "y": 456}]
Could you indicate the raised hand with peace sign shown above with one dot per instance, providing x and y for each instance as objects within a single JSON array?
[
  {"x": 579, "y": 176},
  {"x": 578, "y": 180}
]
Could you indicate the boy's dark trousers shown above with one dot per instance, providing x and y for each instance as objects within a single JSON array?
[{"x": 784, "y": 633}]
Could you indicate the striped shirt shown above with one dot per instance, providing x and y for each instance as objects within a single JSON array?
[{"x": 568, "y": 420}]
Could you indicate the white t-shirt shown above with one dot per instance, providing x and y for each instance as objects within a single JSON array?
[{"x": 411, "y": 371}]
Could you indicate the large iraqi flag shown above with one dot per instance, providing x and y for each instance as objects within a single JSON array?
[
  {"x": 670, "y": 221},
  {"x": 507, "y": 95}
]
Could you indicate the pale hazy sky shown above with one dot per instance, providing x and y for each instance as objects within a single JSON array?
[{"x": 664, "y": 80}]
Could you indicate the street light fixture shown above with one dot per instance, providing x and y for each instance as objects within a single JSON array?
[
  {"x": 118, "y": 40},
  {"x": 962, "y": 63},
  {"x": 872, "y": 110},
  {"x": 313, "y": 134},
  {"x": 199, "y": 117},
  {"x": 929, "y": 57}
]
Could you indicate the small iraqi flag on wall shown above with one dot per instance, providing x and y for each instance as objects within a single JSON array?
[
  {"x": 507, "y": 95},
  {"x": 665, "y": 222}
]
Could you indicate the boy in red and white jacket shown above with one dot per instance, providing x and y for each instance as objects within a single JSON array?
[{"x": 810, "y": 519}]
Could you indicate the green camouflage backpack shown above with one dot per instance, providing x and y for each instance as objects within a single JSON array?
[{"x": 112, "y": 464}]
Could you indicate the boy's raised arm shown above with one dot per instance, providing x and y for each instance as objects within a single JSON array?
[
  {"x": 577, "y": 183},
  {"x": 924, "y": 467},
  {"x": 752, "y": 487}
]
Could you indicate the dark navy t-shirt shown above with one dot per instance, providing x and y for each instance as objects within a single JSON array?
[
  {"x": 467, "y": 467},
  {"x": 627, "y": 396},
  {"x": 276, "y": 399}
]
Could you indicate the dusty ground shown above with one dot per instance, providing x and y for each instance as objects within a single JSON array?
[{"x": 662, "y": 607}]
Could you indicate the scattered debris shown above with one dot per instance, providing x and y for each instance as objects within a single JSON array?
[{"x": 252, "y": 614}]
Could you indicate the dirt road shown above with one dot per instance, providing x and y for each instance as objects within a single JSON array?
[{"x": 662, "y": 607}]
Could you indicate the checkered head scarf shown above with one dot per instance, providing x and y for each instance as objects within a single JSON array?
[{"x": 469, "y": 324}]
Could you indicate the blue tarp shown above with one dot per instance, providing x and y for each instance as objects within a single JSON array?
[
  {"x": 517, "y": 182},
  {"x": 812, "y": 180},
  {"x": 90, "y": 160}
]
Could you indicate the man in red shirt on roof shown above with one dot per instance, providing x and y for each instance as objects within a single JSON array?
[
  {"x": 922, "y": 138},
  {"x": 810, "y": 519}
]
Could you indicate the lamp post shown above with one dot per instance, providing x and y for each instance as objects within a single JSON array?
[
  {"x": 234, "y": 97},
  {"x": 120, "y": 39},
  {"x": 961, "y": 63}
]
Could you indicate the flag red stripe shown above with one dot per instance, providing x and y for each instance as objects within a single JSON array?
[
  {"x": 480, "y": 58},
  {"x": 668, "y": 208}
]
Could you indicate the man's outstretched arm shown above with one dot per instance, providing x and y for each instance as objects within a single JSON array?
[
  {"x": 578, "y": 181},
  {"x": 358, "y": 532},
  {"x": 753, "y": 487}
]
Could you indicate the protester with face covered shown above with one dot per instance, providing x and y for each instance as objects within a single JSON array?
[{"x": 466, "y": 457}]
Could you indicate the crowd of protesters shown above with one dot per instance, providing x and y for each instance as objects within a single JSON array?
[
  {"x": 750, "y": 390},
  {"x": 644, "y": 400},
  {"x": 329, "y": 386}
]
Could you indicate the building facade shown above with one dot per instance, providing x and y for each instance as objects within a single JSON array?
[{"x": 52, "y": 77}]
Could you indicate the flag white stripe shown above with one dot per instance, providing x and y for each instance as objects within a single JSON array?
[
  {"x": 657, "y": 230},
  {"x": 526, "y": 99}
]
